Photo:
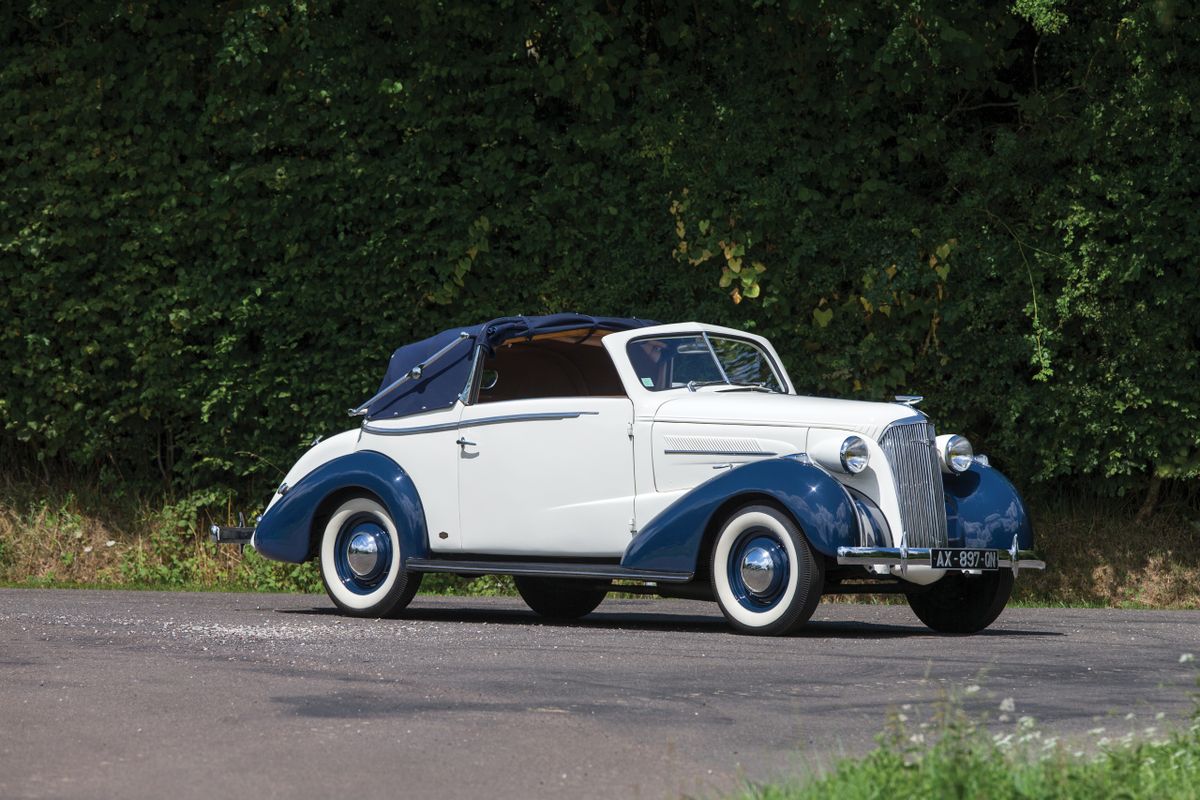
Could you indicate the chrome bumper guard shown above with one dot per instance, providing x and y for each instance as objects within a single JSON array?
[{"x": 904, "y": 557}]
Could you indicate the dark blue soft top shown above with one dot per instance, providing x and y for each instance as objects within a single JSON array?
[{"x": 442, "y": 382}]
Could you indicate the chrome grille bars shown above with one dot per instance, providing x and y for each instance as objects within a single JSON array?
[{"x": 911, "y": 454}]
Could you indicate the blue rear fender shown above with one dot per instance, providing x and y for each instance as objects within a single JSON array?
[
  {"x": 286, "y": 533},
  {"x": 983, "y": 509},
  {"x": 674, "y": 540}
]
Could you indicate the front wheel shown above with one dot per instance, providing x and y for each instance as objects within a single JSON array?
[
  {"x": 362, "y": 566},
  {"x": 765, "y": 576},
  {"x": 559, "y": 599},
  {"x": 961, "y": 603}
]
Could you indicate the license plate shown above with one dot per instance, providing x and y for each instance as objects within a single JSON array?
[{"x": 964, "y": 558}]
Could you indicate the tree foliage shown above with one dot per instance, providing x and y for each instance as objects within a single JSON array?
[{"x": 217, "y": 220}]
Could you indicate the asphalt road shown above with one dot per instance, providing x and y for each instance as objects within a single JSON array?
[{"x": 146, "y": 694}]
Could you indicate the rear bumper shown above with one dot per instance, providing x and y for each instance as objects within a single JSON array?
[
  {"x": 903, "y": 557},
  {"x": 228, "y": 534}
]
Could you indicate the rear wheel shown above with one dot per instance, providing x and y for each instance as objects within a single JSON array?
[
  {"x": 765, "y": 576},
  {"x": 362, "y": 566},
  {"x": 559, "y": 599},
  {"x": 961, "y": 603}
]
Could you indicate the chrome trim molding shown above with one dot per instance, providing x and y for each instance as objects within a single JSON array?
[
  {"x": 474, "y": 423},
  {"x": 468, "y": 390},
  {"x": 919, "y": 417},
  {"x": 719, "y": 453},
  {"x": 445, "y": 426},
  {"x": 712, "y": 445},
  {"x": 920, "y": 556},
  {"x": 713, "y": 352},
  {"x": 563, "y": 569}
]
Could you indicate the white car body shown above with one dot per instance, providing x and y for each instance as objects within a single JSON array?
[{"x": 517, "y": 482}]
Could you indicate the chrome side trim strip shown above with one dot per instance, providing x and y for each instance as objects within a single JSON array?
[
  {"x": 445, "y": 426},
  {"x": 475, "y": 423},
  {"x": 763, "y": 453}
]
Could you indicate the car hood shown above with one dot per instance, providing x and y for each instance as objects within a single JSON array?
[{"x": 725, "y": 407}]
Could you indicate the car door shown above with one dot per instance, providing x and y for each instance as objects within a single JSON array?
[
  {"x": 547, "y": 476},
  {"x": 423, "y": 445}
]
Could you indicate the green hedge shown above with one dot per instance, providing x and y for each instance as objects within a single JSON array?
[{"x": 217, "y": 220}]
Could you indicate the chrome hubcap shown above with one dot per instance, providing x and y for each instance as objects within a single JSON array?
[
  {"x": 362, "y": 554},
  {"x": 758, "y": 570}
]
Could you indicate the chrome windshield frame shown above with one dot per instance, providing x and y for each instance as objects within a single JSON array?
[{"x": 776, "y": 371}]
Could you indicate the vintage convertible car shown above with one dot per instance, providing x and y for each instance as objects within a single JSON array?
[{"x": 573, "y": 452}]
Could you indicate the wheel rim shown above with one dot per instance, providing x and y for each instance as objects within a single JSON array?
[
  {"x": 362, "y": 553},
  {"x": 758, "y": 569}
]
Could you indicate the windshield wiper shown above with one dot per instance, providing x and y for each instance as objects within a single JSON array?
[
  {"x": 694, "y": 385},
  {"x": 751, "y": 387}
]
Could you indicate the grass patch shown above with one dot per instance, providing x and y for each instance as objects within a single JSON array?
[
  {"x": 84, "y": 537},
  {"x": 1097, "y": 555},
  {"x": 953, "y": 756}
]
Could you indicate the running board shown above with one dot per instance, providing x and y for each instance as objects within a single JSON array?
[{"x": 549, "y": 569}]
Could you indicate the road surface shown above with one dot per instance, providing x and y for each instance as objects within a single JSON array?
[{"x": 152, "y": 695}]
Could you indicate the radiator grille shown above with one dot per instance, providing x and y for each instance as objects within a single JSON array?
[{"x": 910, "y": 453}]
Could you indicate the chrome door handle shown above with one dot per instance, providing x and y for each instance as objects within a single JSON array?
[{"x": 461, "y": 442}]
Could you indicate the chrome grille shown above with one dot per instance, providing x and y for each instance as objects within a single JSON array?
[{"x": 910, "y": 452}]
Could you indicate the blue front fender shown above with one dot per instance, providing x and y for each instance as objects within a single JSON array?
[
  {"x": 284, "y": 533},
  {"x": 671, "y": 541},
  {"x": 984, "y": 510}
]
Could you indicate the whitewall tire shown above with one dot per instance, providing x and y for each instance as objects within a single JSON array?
[
  {"x": 362, "y": 565},
  {"x": 764, "y": 574}
]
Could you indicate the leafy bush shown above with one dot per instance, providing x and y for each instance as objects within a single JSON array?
[{"x": 217, "y": 220}]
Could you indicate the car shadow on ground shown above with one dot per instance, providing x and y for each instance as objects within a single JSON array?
[{"x": 667, "y": 622}]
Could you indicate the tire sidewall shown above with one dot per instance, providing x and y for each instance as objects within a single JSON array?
[
  {"x": 781, "y": 615},
  {"x": 958, "y": 604},
  {"x": 379, "y": 599}
]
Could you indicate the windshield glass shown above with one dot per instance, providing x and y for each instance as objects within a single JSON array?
[{"x": 692, "y": 360}]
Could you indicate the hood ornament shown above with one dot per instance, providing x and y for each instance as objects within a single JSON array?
[{"x": 909, "y": 400}]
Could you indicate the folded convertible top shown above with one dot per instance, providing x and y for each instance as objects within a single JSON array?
[{"x": 431, "y": 374}]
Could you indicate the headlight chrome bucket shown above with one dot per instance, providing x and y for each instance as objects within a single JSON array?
[{"x": 955, "y": 453}]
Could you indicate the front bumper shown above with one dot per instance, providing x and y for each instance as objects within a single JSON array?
[{"x": 904, "y": 557}]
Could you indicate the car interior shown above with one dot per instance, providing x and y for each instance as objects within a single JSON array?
[{"x": 565, "y": 364}]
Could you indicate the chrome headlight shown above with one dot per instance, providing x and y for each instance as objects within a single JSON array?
[
  {"x": 854, "y": 455},
  {"x": 956, "y": 453}
]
